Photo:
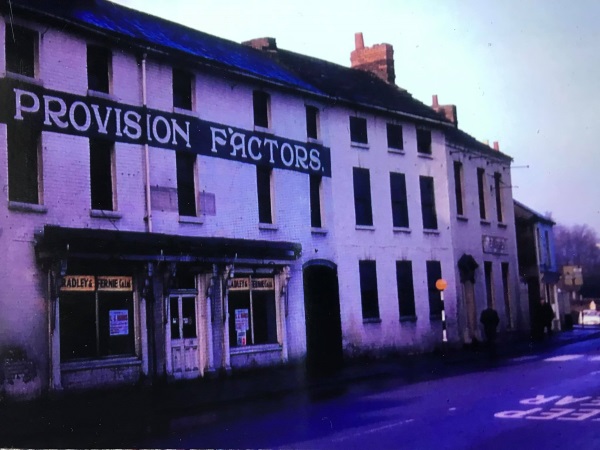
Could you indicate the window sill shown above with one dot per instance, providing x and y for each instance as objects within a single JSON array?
[
  {"x": 396, "y": 151},
  {"x": 104, "y": 95},
  {"x": 404, "y": 230},
  {"x": 105, "y": 214},
  {"x": 318, "y": 230},
  {"x": 462, "y": 218},
  {"x": 25, "y": 78},
  {"x": 425, "y": 155},
  {"x": 432, "y": 232},
  {"x": 314, "y": 141},
  {"x": 27, "y": 207},
  {"x": 485, "y": 222},
  {"x": 100, "y": 363},
  {"x": 184, "y": 112},
  {"x": 191, "y": 219},
  {"x": 255, "y": 349},
  {"x": 372, "y": 320},
  {"x": 502, "y": 225},
  {"x": 268, "y": 226},
  {"x": 263, "y": 129},
  {"x": 365, "y": 227},
  {"x": 411, "y": 319},
  {"x": 363, "y": 145}
]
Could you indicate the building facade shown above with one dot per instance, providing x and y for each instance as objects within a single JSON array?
[{"x": 177, "y": 205}]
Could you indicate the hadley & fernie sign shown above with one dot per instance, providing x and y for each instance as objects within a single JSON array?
[{"x": 29, "y": 105}]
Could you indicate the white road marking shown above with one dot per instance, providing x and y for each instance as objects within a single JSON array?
[
  {"x": 372, "y": 430},
  {"x": 594, "y": 358},
  {"x": 563, "y": 358},
  {"x": 523, "y": 358}
]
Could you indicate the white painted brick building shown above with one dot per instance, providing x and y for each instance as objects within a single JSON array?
[{"x": 179, "y": 206}]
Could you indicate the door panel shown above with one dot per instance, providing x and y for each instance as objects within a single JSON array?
[{"x": 185, "y": 359}]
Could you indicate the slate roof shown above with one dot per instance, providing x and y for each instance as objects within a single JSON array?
[
  {"x": 528, "y": 214},
  {"x": 458, "y": 137},
  {"x": 286, "y": 68}
]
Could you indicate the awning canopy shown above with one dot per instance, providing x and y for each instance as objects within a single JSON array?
[{"x": 59, "y": 242}]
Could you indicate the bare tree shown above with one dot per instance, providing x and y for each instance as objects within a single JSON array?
[{"x": 577, "y": 245}]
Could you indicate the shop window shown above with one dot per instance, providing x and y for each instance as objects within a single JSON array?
[
  {"x": 99, "y": 68},
  {"x": 424, "y": 141},
  {"x": 428, "y": 203},
  {"x": 24, "y": 165},
  {"x": 264, "y": 176},
  {"x": 96, "y": 318},
  {"x": 399, "y": 200},
  {"x": 102, "y": 174},
  {"x": 183, "y": 89},
  {"x": 315, "y": 201},
  {"x": 394, "y": 136},
  {"x": 312, "y": 122},
  {"x": 252, "y": 312},
  {"x": 358, "y": 130},
  {"x": 186, "y": 183},
  {"x": 489, "y": 284},
  {"x": 362, "y": 196},
  {"x": 481, "y": 191},
  {"x": 368, "y": 289},
  {"x": 458, "y": 187},
  {"x": 434, "y": 273},
  {"x": 21, "y": 50},
  {"x": 406, "y": 292},
  {"x": 498, "y": 191},
  {"x": 261, "y": 102}
]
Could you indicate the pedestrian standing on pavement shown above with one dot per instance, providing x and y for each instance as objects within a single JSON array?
[
  {"x": 490, "y": 320},
  {"x": 547, "y": 317}
]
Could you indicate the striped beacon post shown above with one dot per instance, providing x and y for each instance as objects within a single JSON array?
[{"x": 440, "y": 285}]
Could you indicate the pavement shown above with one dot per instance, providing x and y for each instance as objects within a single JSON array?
[{"x": 117, "y": 417}]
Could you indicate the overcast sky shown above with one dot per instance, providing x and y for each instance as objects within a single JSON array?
[{"x": 521, "y": 72}]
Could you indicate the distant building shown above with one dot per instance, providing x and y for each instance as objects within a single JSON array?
[{"x": 178, "y": 205}]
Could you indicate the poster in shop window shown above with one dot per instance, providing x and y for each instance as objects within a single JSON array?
[
  {"x": 119, "y": 322},
  {"x": 241, "y": 325}
]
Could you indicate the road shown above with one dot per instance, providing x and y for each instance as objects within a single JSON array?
[{"x": 546, "y": 401}]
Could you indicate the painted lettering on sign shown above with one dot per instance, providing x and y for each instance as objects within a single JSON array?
[
  {"x": 262, "y": 284},
  {"x": 29, "y": 105},
  {"x": 556, "y": 407},
  {"x": 239, "y": 284},
  {"x": 112, "y": 283},
  {"x": 494, "y": 244},
  {"x": 78, "y": 283}
]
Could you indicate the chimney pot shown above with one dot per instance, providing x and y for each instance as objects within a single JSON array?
[
  {"x": 496, "y": 146},
  {"x": 435, "y": 102},
  {"x": 359, "y": 42}
]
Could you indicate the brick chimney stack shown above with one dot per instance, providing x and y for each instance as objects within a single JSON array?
[
  {"x": 264, "y": 44},
  {"x": 378, "y": 59},
  {"x": 496, "y": 146},
  {"x": 448, "y": 111}
]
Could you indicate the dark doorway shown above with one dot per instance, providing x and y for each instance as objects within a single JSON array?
[
  {"x": 323, "y": 325},
  {"x": 533, "y": 291}
]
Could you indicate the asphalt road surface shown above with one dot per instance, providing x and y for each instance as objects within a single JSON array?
[{"x": 545, "y": 401}]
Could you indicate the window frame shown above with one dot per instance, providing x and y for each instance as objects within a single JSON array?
[
  {"x": 369, "y": 296},
  {"x": 395, "y": 136},
  {"x": 363, "y": 207},
  {"x": 99, "y": 148},
  {"x": 264, "y": 190},
  {"x": 434, "y": 273},
  {"x": 505, "y": 267},
  {"x": 399, "y": 200},
  {"x": 315, "y": 199},
  {"x": 498, "y": 192},
  {"x": 183, "y": 80},
  {"x": 261, "y": 104},
  {"x": 29, "y": 183},
  {"x": 481, "y": 192},
  {"x": 424, "y": 141},
  {"x": 99, "y": 61},
  {"x": 428, "y": 207},
  {"x": 187, "y": 183},
  {"x": 312, "y": 122},
  {"x": 406, "y": 290},
  {"x": 488, "y": 269},
  {"x": 459, "y": 191},
  {"x": 14, "y": 50},
  {"x": 358, "y": 130}
]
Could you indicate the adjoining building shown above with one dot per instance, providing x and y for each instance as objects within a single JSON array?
[{"x": 178, "y": 205}]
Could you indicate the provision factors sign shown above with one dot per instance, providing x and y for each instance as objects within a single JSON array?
[{"x": 33, "y": 107}]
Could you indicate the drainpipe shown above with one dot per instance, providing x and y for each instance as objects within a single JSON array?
[{"x": 146, "y": 152}]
